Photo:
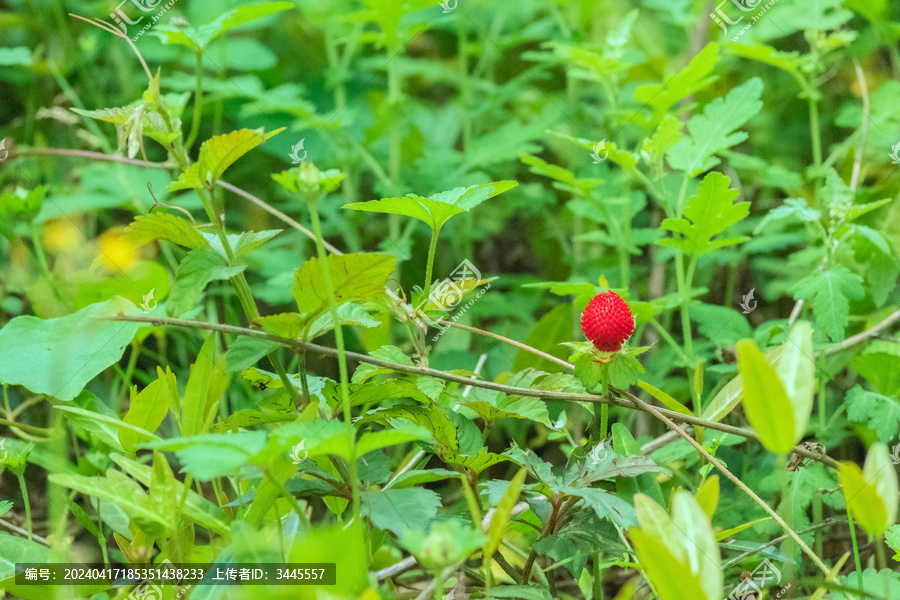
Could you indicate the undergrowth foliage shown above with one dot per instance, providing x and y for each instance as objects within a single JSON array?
[{"x": 536, "y": 300}]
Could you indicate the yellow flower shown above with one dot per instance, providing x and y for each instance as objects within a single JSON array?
[
  {"x": 116, "y": 252},
  {"x": 62, "y": 235}
]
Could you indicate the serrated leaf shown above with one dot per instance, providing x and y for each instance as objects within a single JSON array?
[
  {"x": 148, "y": 408},
  {"x": 831, "y": 290},
  {"x": 715, "y": 129},
  {"x": 354, "y": 277},
  {"x": 880, "y": 365},
  {"x": 706, "y": 215},
  {"x": 196, "y": 270},
  {"x": 439, "y": 208},
  {"x": 793, "y": 208},
  {"x": 199, "y": 37},
  {"x": 402, "y": 510},
  {"x": 881, "y": 413},
  {"x": 692, "y": 78},
  {"x": 164, "y": 226},
  {"x": 788, "y": 61},
  {"x": 217, "y": 154}
]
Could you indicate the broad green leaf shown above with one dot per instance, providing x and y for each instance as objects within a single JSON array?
[
  {"x": 730, "y": 396},
  {"x": 491, "y": 405},
  {"x": 708, "y": 495},
  {"x": 197, "y": 38},
  {"x": 605, "y": 505},
  {"x": 502, "y": 515},
  {"x": 58, "y": 357},
  {"x": 217, "y": 154},
  {"x": 831, "y": 289},
  {"x": 820, "y": 15},
  {"x": 373, "y": 440},
  {"x": 213, "y": 454},
  {"x": 448, "y": 543},
  {"x": 164, "y": 226},
  {"x": 715, "y": 129},
  {"x": 355, "y": 277},
  {"x": 242, "y": 243},
  {"x": 765, "y": 399},
  {"x": 692, "y": 78},
  {"x": 706, "y": 215},
  {"x": 788, "y": 61},
  {"x": 205, "y": 388},
  {"x": 350, "y": 313},
  {"x": 872, "y": 492},
  {"x": 148, "y": 408},
  {"x": 439, "y": 208},
  {"x": 684, "y": 541},
  {"x": 120, "y": 490},
  {"x": 646, "y": 483},
  {"x": 399, "y": 511},
  {"x": 193, "y": 274},
  {"x": 196, "y": 508},
  {"x": 19, "y": 55},
  {"x": 880, "y": 365},
  {"x": 101, "y": 423},
  {"x": 797, "y": 371}
]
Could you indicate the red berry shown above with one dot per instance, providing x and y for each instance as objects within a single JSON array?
[{"x": 607, "y": 322}]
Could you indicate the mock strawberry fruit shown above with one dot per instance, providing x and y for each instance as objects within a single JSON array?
[{"x": 607, "y": 322}]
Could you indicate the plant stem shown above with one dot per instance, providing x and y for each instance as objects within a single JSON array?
[
  {"x": 198, "y": 103},
  {"x": 342, "y": 358},
  {"x": 429, "y": 268},
  {"x": 598, "y": 577},
  {"x": 815, "y": 133},
  {"x": 24, "y": 489},
  {"x": 856, "y": 561}
]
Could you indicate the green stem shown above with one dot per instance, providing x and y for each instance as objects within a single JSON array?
[
  {"x": 857, "y": 562},
  {"x": 24, "y": 489},
  {"x": 198, "y": 103},
  {"x": 598, "y": 578},
  {"x": 342, "y": 358},
  {"x": 816, "y": 134},
  {"x": 429, "y": 268},
  {"x": 395, "y": 155}
]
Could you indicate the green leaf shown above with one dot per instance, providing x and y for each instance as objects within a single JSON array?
[
  {"x": 122, "y": 491},
  {"x": 439, "y": 208},
  {"x": 194, "y": 273},
  {"x": 765, "y": 399},
  {"x": 22, "y": 206},
  {"x": 872, "y": 492},
  {"x": 679, "y": 553},
  {"x": 605, "y": 505},
  {"x": 164, "y": 226},
  {"x": 715, "y": 129},
  {"x": 58, "y": 357},
  {"x": 797, "y": 371},
  {"x": 355, "y": 277},
  {"x": 706, "y": 215},
  {"x": 880, "y": 365},
  {"x": 627, "y": 487},
  {"x": 199, "y": 37},
  {"x": 213, "y": 454},
  {"x": 793, "y": 208},
  {"x": 447, "y": 544},
  {"x": 504, "y": 510},
  {"x": 204, "y": 389},
  {"x": 692, "y": 78},
  {"x": 667, "y": 400},
  {"x": 876, "y": 584},
  {"x": 730, "y": 396},
  {"x": 400, "y": 511},
  {"x": 831, "y": 290},
  {"x": 217, "y": 154},
  {"x": 491, "y": 405},
  {"x": 374, "y": 440},
  {"x": 148, "y": 408},
  {"x": 19, "y": 55},
  {"x": 879, "y": 412},
  {"x": 787, "y": 61}
]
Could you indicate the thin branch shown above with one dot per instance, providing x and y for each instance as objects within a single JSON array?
[
  {"x": 778, "y": 540},
  {"x": 658, "y": 414},
  {"x": 525, "y": 347},
  {"x": 94, "y": 155},
  {"x": 859, "y": 337},
  {"x": 625, "y": 399}
]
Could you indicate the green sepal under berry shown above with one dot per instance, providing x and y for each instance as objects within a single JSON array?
[{"x": 621, "y": 370}]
